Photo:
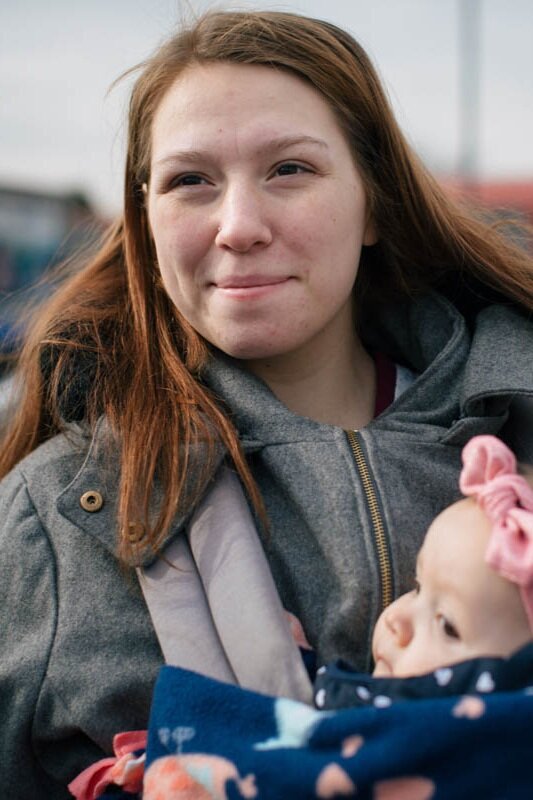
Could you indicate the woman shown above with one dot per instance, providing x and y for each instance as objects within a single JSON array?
[{"x": 288, "y": 291}]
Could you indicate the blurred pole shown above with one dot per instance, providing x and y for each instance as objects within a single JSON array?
[{"x": 469, "y": 90}]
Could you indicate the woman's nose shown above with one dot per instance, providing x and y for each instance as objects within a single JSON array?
[
  {"x": 399, "y": 622},
  {"x": 242, "y": 220}
]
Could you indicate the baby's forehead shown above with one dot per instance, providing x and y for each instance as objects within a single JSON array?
[
  {"x": 457, "y": 519},
  {"x": 459, "y": 532}
]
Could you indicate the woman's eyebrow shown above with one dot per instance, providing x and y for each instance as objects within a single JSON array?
[
  {"x": 271, "y": 145},
  {"x": 180, "y": 155},
  {"x": 282, "y": 142}
]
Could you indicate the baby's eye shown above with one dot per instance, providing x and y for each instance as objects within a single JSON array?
[
  {"x": 416, "y": 587},
  {"x": 448, "y": 628}
]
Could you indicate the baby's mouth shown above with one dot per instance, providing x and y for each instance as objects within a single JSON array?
[{"x": 382, "y": 668}]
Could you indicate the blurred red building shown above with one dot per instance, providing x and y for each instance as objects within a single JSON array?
[{"x": 506, "y": 198}]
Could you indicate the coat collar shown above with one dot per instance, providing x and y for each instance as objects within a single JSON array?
[
  {"x": 99, "y": 475},
  {"x": 500, "y": 361},
  {"x": 427, "y": 335}
]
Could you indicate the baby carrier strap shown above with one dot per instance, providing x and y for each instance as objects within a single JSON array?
[{"x": 213, "y": 601}]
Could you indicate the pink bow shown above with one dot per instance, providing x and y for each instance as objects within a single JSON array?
[
  {"x": 489, "y": 474},
  {"x": 124, "y": 769}
]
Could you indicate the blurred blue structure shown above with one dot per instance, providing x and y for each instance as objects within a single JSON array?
[{"x": 37, "y": 231}]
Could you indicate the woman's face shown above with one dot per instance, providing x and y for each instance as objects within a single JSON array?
[{"x": 256, "y": 209}]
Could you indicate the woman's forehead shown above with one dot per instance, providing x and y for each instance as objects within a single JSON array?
[{"x": 210, "y": 95}]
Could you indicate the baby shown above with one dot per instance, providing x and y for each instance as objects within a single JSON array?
[
  {"x": 466, "y": 627},
  {"x": 473, "y": 594}
]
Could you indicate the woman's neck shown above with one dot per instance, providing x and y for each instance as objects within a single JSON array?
[{"x": 332, "y": 385}]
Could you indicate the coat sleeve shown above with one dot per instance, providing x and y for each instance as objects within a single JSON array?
[{"x": 28, "y": 604}]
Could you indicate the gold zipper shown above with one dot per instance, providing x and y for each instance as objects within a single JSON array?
[{"x": 382, "y": 550}]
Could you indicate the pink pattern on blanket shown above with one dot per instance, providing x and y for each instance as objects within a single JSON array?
[
  {"x": 333, "y": 781},
  {"x": 194, "y": 777},
  {"x": 470, "y": 707},
  {"x": 412, "y": 788}
]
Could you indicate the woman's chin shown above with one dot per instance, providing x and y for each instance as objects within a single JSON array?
[{"x": 252, "y": 351}]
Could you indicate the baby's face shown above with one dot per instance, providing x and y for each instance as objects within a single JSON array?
[{"x": 459, "y": 609}]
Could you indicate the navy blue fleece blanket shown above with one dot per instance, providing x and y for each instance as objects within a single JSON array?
[{"x": 211, "y": 740}]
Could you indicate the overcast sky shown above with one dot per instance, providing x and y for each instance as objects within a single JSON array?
[{"x": 59, "y": 129}]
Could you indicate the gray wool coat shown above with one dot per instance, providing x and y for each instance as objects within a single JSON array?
[{"x": 78, "y": 652}]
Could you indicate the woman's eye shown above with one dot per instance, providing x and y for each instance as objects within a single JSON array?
[
  {"x": 289, "y": 168},
  {"x": 190, "y": 179},
  {"x": 448, "y": 628}
]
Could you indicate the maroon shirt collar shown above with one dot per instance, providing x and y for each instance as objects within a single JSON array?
[{"x": 385, "y": 382}]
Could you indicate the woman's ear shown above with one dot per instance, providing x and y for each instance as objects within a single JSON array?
[{"x": 370, "y": 235}]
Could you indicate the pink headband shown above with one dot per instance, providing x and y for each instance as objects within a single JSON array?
[{"x": 489, "y": 475}]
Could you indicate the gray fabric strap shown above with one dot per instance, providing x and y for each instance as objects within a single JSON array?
[
  {"x": 178, "y": 607},
  {"x": 214, "y": 605}
]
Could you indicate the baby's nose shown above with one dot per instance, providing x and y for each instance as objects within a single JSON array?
[{"x": 399, "y": 623}]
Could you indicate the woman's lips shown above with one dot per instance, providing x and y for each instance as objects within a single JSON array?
[{"x": 249, "y": 286}]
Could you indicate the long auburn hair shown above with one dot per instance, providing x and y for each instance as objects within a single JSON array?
[{"x": 146, "y": 359}]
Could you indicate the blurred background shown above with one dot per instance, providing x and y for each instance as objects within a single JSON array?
[{"x": 459, "y": 74}]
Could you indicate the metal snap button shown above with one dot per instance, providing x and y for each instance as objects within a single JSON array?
[
  {"x": 91, "y": 501},
  {"x": 135, "y": 532}
]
